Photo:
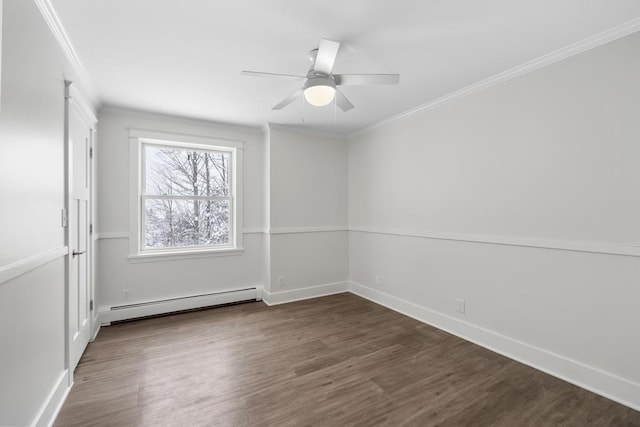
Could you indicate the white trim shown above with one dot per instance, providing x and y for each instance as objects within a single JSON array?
[
  {"x": 249, "y": 230},
  {"x": 592, "y": 42},
  {"x": 563, "y": 245},
  {"x": 585, "y": 376},
  {"x": 25, "y": 265},
  {"x": 136, "y": 139},
  {"x": 112, "y": 235},
  {"x": 294, "y": 230},
  {"x": 181, "y": 139},
  {"x": 187, "y": 254},
  {"x": 53, "y": 403},
  {"x": 142, "y": 309},
  {"x": 50, "y": 15},
  {"x": 81, "y": 106},
  {"x": 96, "y": 327},
  {"x": 125, "y": 234},
  {"x": 266, "y": 200},
  {"x": 135, "y": 157},
  {"x": 283, "y": 297},
  {"x": 254, "y": 230},
  {"x": 51, "y": 18}
]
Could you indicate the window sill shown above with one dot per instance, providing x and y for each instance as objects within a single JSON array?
[{"x": 180, "y": 255}]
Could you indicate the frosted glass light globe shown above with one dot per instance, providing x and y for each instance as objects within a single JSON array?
[{"x": 319, "y": 95}]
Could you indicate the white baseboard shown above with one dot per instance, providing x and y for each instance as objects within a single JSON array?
[
  {"x": 96, "y": 327},
  {"x": 52, "y": 405},
  {"x": 590, "y": 378},
  {"x": 282, "y": 297},
  {"x": 151, "y": 308}
]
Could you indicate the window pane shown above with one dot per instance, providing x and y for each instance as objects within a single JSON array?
[
  {"x": 183, "y": 223},
  {"x": 175, "y": 171}
]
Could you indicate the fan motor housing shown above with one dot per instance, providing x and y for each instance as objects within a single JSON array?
[{"x": 319, "y": 79}]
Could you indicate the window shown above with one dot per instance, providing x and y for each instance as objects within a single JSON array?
[{"x": 186, "y": 195}]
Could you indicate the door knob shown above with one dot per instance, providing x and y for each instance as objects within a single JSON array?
[{"x": 74, "y": 253}]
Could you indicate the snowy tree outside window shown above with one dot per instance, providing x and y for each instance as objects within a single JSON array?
[{"x": 186, "y": 198}]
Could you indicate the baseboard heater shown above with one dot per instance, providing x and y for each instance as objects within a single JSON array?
[{"x": 173, "y": 305}]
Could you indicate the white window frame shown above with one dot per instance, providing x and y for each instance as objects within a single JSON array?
[{"x": 139, "y": 137}]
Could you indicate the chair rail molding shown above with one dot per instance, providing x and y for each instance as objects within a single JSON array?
[
  {"x": 295, "y": 230},
  {"x": 624, "y": 249},
  {"x": 25, "y": 265}
]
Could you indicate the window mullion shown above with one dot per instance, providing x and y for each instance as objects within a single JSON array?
[{"x": 165, "y": 197}]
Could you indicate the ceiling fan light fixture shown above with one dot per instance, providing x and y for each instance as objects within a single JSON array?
[
  {"x": 320, "y": 86},
  {"x": 319, "y": 91}
]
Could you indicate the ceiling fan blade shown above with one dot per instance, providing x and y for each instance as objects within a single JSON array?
[
  {"x": 288, "y": 100},
  {"x": 366, "y": 79},
  {"x": 342, "y": 101},
  {"x": 326, "y": 56},
  {"x": 281, "y": 76}
]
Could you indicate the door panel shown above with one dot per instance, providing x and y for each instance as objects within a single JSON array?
[
  {"x": 79, "y": 246},
  {"x": 83, "y": 280}
]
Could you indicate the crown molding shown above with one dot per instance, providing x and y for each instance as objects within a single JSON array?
[
  {"x": 592, "y": 42},
  {"x": 51, "y": 18},
  {"x": 50, "y": 15}
]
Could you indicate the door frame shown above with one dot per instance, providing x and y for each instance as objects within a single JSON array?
[{"x": 74, "y": 100}]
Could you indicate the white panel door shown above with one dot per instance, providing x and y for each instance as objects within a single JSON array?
[{"x": 79, "y": 244}]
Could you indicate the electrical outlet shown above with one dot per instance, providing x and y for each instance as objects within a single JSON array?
[
  {"x": 126, "y": 294},
  {"x": 281, "y": 283},
  {"x": 377, "y": 280},
  {"x": 461, "y": 308}
]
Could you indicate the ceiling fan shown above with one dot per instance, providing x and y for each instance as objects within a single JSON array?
[{"x": 320, "y": 84}]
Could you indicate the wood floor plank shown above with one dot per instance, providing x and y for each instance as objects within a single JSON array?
[{"x": 332, "y": 361}]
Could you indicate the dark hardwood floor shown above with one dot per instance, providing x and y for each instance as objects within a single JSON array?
[{"x": 332, "y": 361}]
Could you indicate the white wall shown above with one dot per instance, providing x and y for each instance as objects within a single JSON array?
[
  {"x": 307, "y": 214},
  {"x": 32, "y": 135},
  {"x": 547, "y": 159},
  {"x": 152, "y": 281},
  {"x": 32, "y": 248},
  {"x": 308, "y": 176}
]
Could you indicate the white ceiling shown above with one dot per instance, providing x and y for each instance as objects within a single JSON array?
[{"x": 184, "y": 57}]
